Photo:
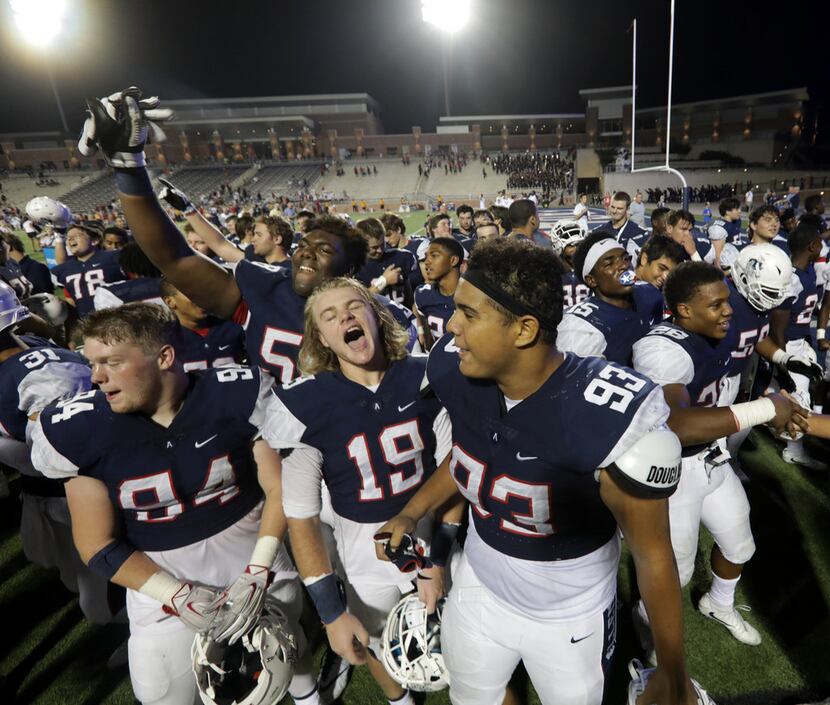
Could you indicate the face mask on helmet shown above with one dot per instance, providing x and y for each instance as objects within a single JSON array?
[
  {"x": 256, "y": 670},
  {"x": 564, "y": 233},
  {"x": 411, "y": 646},
  {"x": 762, "y": 275},
  {"x": 11, "y": 310}
]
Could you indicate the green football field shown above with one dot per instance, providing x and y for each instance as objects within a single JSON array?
[{"x": 50, "y": 655}]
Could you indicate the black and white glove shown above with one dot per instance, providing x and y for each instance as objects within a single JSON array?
[
  {"x": 121, "y": 124},
  {"x": 175, "y": 198},
  {"x": 799, "y": 364}
]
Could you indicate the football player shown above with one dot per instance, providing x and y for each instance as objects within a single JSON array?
[
  {"x": 205, "y": 341},
  {"x": 396, "y": 233},
  {"x": 727, "y": 228},
  {"x": 537, "y": 578},
  {"x": 630, "y": 235},
  {"x": 564, "y": 237},
  {"x": 142, "y": 284},
  {"x": 266, "y": 300},
  {"x": 83, "y": 266},
  {"x": 361, "y": 426},
  {"x": 32, "y": 375},
  {"x": 169, "y": 503},
  {"x": 659, "y": 255},
  {"x": 764, "y": 225},
  {"x": 387, "y": 270},
  {"x": 790, "y": 326},
  {"x": 611, "y": 320},
  {"x": 434, "y": 303},
  {"x": 689, "y": 358}
]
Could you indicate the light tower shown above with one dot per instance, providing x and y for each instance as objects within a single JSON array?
[{"x": 449, "y": 16}]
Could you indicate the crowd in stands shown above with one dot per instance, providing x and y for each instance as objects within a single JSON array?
[{"x": 548, "y": 171}]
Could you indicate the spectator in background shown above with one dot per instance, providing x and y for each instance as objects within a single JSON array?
[
  {"x": 707, "y": 215},
  {"x": 36, "y": 272},
  {"x": 581, "y": 212},
  {"x": 482, "y": 217},
  {"x": 637, "y": 210},
  {"x": 502, "y": 219},
  {"x": 748, "y": 198},
  {"x": 658, "y": 220},
  {"x": 115, "y": 238}
]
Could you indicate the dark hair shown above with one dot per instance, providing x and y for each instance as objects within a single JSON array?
[
  {"x": 529, "y": 274},
  {"x": 520, "y": 212},
  {"x": 393, "y": 222},
  {"x": 304, "y": 214},
  {"x": 728, "y": 204},
  {"x": 452, "y": 247},
  {"x": 622, "y": 196},
  {"x": 243, "y": 225},
  {"x": 133, "y": 261},
  {"x": 91, "y": 227},
  {"x": 658, "y": 246},
  {"x": 115, "y": 230},
  {"x": 432, "y": 223},
  {"x": 582, "y": 248},
  {"x": 676, "y": 216},
  {"x": 483, "y": 212},
  {"x": 464, "y": 208},
  {"x": 812, "y": 202},
  {"x": 354, "y": 244},
  {"x": 812, "y": 219},
  {"x": 277, "y": 227},
  {"x": 800, "y": 239},
  {"x": 167, "y": 288},
  {"x": 759, "y": 213},
  {"x": 685, "y": 279},
  {"x": 14, "y": 243},
  {"x": 372, "y": 228},
  {"x": 659, "y": 213},
  {"x": 502, "y": 215}
]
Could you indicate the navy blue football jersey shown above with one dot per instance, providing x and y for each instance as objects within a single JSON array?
[
  {"x": 218, "y": 344},
  {"x": 81, "y": 279},
  {"x": 144, "y": 289},
  {"x": 596, "y": 327},
  {"x": 252, "y": 256},
  {"x": 573, "y": 290},
  {"x": 530, "y": 472},
  {"x": 171, "y": 486},
  {"x": 801, "y": 303},
  {"x": 11, "y": 274},
  {"x": 378, "y": 447},
  {"x": 733, "y": 231},
  {"x": 34, "y": 378},
  {"x": 649, "y": 301},
  {"x": 750, "y": 327},
  {"x": 401, "y": 292},
  {"x": 435, "y": 307},
  {"x": 671, "y": 355}
]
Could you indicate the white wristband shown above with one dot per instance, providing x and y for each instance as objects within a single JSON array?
[
  {"x": 265, "y": 551},
  {"x": 379, "y": 283},
  {"x": 821, "y": 333},
  {"x": 162, "y": 587},
  {"x": 753, "y": 413},
  {"x": 779, "y": 357}
]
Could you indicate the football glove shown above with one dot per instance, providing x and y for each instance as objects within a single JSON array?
[
  {"x": 799, "y": 364},
  {"x": 244, "y": 604},
  {"x": 121, "y": 124},
  {"x": 197, "y": 606},
  {"x": 175, "y": 198},
  {"x": 408, "y": 556}
]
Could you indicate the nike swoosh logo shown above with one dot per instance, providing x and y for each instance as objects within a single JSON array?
[
  {"x": 204, "y": 443},
  {"x": 576, "y": 641},
  {"x": 401, "y": 409},
  {"x": 725, "y": 624},
  {"x": 224, "y": 347},
  {"x": 519, "y": 456}
]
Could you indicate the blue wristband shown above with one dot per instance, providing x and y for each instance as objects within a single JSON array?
[
  {"x": 443, "y": 538},
  {"x": 110, "y": 558},
  {"x": 133, "y": 182},
  {"x": 329, "y": 597}
]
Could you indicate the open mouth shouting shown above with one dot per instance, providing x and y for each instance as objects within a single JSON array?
[{"x": 355, "y": 338}]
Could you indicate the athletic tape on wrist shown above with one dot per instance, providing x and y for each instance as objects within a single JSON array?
[
  {"x": 162, "y": 587},
  {"x": 598, "y": 249},
  {"x": 110, "y": 558},
  {"x": 821, "y": 334},
  {"x": 328, "y": 595},
  {"x": 265, "y": 551},
  {"x": 779, "y": 357},
  {"x": 753, "y": 413}
]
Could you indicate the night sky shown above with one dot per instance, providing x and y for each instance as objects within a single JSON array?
[{"x": 516, "y": 56}]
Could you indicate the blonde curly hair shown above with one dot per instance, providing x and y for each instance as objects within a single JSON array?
[{"x": 314, "y": 357}]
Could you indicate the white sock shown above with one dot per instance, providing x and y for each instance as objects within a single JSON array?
[
  {"x": 796, "y": 448},
  {"x": 722, "y": 591},
  {"x": 405, "y": 699},
  {"x": 303, "y": 690}
]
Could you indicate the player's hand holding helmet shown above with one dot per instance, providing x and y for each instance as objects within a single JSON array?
[
  {"x": 121, "y": 124},
  {"x": 42, "y": 210},
  {"x": 244, "y": 604},
  {"x": 175, "y": 198},
  {"x": 651, "y": 686}
]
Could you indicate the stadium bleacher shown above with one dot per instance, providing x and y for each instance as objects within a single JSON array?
[{"x": 281, "y": 178}]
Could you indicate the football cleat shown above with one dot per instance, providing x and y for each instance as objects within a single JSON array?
[
  {"x": 804, "y": 459},
  {"x": 731, "y": 619},
  {"x": 411, "y": 646},
  {"x": 256, "y": 670},
  {"x": 639, "y": 681},
  {"x": 333, "y": 678},
  {"x": 762, "y": 275}
]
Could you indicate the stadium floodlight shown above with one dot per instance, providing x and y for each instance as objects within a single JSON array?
[
  {"x": 448, "y": 15},
  {"x": 39, "y": 23}
]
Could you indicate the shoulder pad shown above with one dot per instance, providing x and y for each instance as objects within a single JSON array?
[{"x": 651, "y": 467}]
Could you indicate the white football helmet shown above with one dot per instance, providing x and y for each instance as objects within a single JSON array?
[
  {"x": 762, "y": 274},
  {"x": 42, "y": 209},
  {"x": 728, "y": 255},
  {"x": 639, "y": 680},
  {"x": 564, "y": 233},
  {"x": 411, "y": 646},
  {"x": 11, "y": 310},
  {"x": 49, "y": 307},
  {"x": 256, "y": 670}
]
